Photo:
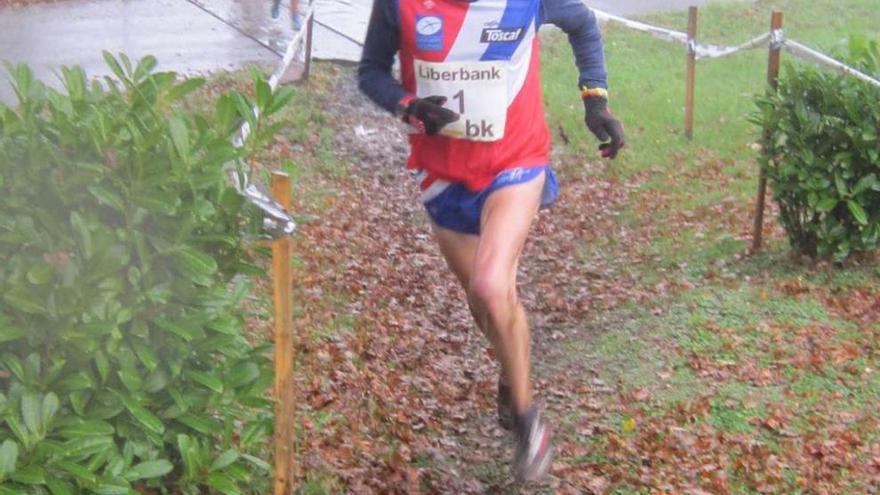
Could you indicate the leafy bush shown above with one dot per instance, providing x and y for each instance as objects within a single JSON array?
[
  {"x": 124, "y": 363},
  {"x": 822, "y": 155}
]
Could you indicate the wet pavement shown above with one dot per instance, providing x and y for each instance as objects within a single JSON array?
[
  {"x": 194, "y": 36},
  {"x": 181, "y": 36},
  {"x": 189, "y": 37},
  {"x": 348, "y": 17}
]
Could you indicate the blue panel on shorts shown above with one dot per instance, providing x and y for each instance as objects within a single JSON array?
[{"x": 458, "y": 208}]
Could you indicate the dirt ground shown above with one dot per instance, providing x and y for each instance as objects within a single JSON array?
[
  {"x": 397, "y": 387},
  {"x": 404, "y": 389}
]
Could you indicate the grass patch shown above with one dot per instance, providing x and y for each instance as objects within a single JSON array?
[
  {"x": 320, "y": 483},
  {"x": 647, "y": 84},
  {"x": 695, "y": 195},
  {"x": 733, "y": 328}
]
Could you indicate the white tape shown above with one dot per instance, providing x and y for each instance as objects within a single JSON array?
[
  {"x": 276, "y": 222},
  {"x": 808, "y": 53},
  {"x": 702, "y": 51},
  {"x": 714, "y": 51},
  {"x": 292, "y": 49},
  {"x": 777, "y": 38},
  {"x": 773, "y": 39},
  {"x": 657, "y": 32}
]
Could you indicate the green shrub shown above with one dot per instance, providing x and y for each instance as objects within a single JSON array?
[
  {"x": 124, "y": 362},
  {"x": 822, "y": 155}
]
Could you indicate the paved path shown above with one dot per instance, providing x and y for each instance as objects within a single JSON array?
[
  {"x": 178, "y": 33},
  {"x": 182, "y": 35}
]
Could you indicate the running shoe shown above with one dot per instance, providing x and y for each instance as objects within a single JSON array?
[
  {"x": 534, "y": 454},
  {"x": 505, "y": 405}
]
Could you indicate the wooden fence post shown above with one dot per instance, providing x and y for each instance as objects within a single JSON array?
[
  {"x": 311, "y": 27},
  {"x": 772, "y": 81},
  {"x": 283, "y": 298},
  {"x": 691, "y": 74}
]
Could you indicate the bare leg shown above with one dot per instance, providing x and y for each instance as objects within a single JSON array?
[
  {"x": 486, "y": 266},
  {"x": 460, "y": 250},
  {"x": 505, "y": 224},
  {"x": 295, "y": 16}
]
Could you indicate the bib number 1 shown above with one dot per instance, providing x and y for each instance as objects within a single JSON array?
[
  {"x": 475, "y": 90},
  {"x": 460, "y": 97}
]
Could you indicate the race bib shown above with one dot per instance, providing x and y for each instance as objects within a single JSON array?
[{"x": 477, "y": 91}]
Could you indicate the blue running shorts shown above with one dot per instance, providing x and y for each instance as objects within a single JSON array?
[{"x": 453, "y": 206}]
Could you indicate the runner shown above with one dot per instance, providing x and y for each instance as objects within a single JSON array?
[
  {"x": 296, "y": 18},
  {"x": 470, "y": 89}
]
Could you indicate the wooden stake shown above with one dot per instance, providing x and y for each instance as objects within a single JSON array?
[
  {"x": 283, "y": 298},
  {"x": 311, "y": 27},
  {"x": 691, "y": 74},
  {"x": 773, "y": 82}
]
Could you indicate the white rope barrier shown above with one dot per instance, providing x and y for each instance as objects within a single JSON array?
[
  {"x": 276, "y": 222},
  {"x": 292, "y": 49},
  {"x": 657, "y": 32},
  {"x": 808, "y": 53},
  {"x": 772, "y": 39},
  {"x": 775, "y": 40},
  {"x": 715, "y": 51},
  {"x": 702, "y": 51}
]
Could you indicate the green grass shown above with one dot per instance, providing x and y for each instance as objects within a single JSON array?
[
  {"x": 320, "y": 483},
  {"x": 649, "y": 352},
  {"x": 634, "y": 354},
  {"x": 647, "y": 79},
  {"x": 647, "y": 84}
]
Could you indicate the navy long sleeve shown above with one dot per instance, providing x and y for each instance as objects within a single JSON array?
[
  {"x": 383, "y": 42},
  {"x": 579, "y": 23}
]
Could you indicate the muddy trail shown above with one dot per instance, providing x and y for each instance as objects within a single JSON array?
[
  {"x": 397, "y": 389},
  {"x": 395, "y": 386}
]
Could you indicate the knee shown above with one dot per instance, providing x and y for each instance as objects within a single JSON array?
[{"x": 492, "y": 294}]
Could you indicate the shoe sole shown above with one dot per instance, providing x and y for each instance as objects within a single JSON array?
[
  {"x": 538, "y": 472},
  {"x": 538, "y": 468}
]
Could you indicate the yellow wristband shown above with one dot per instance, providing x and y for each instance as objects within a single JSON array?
[{"x": 588, "y": 92}]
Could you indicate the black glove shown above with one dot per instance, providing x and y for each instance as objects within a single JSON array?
[
  {"x": 604, "y": 125},
  {"x": 427, "y": 114}
]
